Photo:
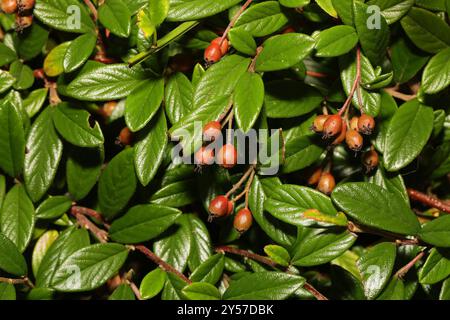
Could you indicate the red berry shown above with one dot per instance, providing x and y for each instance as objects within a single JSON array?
[
  {"x": 370, "y": 160},
  {"x": 366, "y": 124},
  {"x": 39, "y": 73},
  {"x": 354, "y": 140},
  {"x": 224, "y": 47},
  {"x": 243, "y": 220},
  {"x": 212, "y": 131},
  {"x": 218, "y": 207},
  {"x": 213, "y": 53},
  {"x": 332, "y": 126},
  {"x": 204, "y": 156},
  {"x": 227, "y": 156},
  {"x": 318, "y": 123},
  {"x": 326, "y": 183},
  {"x": 288, "y": 29},
  {"x": 230, "y": 207},
  {"x": 125, "y": 137},
  {"x": 9, "y": 6},
  {"x": 315, "y": 177}
]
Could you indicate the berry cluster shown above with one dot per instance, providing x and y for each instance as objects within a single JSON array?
[
  {"x": 23, "y": 10},
  {"x": 216, "y": 50},
  {"x": 221, "y": 206}
]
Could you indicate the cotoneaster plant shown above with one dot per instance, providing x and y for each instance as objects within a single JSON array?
[{"x": 224, "y": 149}]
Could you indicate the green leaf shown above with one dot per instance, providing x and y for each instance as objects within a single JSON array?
[
  {"x": 44, "y": 151},
  {"x": 41, "y": 248},
  {"x": 344, "y": 8},
  {"x": 201, "y": 247},
  {"x": 376, "y": 207},
  {"x": 294, "y": 3},
  {"x": 178, "y": 97},
  {"x": 437, "y": 232},
  {"x": 248, "y": 100},
  {"x": 30, "y": 44},
  {"x": 445, "y": 290},
  {"x": 210, "y": 271},
  {"x": 385, "y": 116},
  {"x": 12, "y": 140},
  {"x": 78, "y": 51},
  {"x": 290, "y": 203},
  {"x": 211, "y": 97},
  {"x": 242, "y": 41},
  {"x": 336, "y": 41},
  {"x": 319, "y": 246},
  {"x": 153, "y": 283},
  {"x": 23, "y": 74},
  {"x": 89, "y": 268},
  {"x": 278, "y": 254},
  {"x": 115, "y": 16},
  {"x": 262, "y": 19},
  {"x": 2, "y": 189},
  {"x": 117, "y": 184},
  {"x": 123, "y": 293},
  {"x": 436, "y": 268},
  {"x": 7, "y": 55},
  {"x": 408, "y": 132},
  {"x": 376, "y": 267},
  {"x": 6, "y": 81},
  {"x": 183, "y": 10},
  {"x": 173, "y": 287},
  {"x": 373, "y": 33},
  {"x": 283, "y": 51},
  {"x": 392, "y": 182},
  {"x": 73, "y": 124},
  {"x": 264, "y": 286},
  {"x": 142, "y": 223},
  {"x": 289, "y": 98},
  {"x": 201, "y": 291},
  {"x": 327, "y": 6},
  {"x": 175, "y": 246},
  {"x": 68, "y": 242},
  {"x": 177, "y": 194},
  {"x": 392, "y": 10},
  {"x": 106, "y": 82},
  {"x": 7, "y": 292},
  {"x": 436, "y": 76},
  {"x": 158, "y": 10},
  {"x": 54, "y": 61},
  {"x": 150, "y": 149},
  {"x": 34, "y": 102},
  {"x": 406, "y": 60},
  {"x": 17, "y": 217},
  {"x": 394, "y": 291},
  {"x": 65, "y": 15},
  {"x": 428, "y": 32},
  {"x": 83, "y": 168},
  {"x": 11, "y": 259},
  {"x": 143, "y": 103},
  {"x": 301, "y": 152},
  {"x": 53, "y": 207}
]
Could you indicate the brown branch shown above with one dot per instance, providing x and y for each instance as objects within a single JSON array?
[
  {"x": 355, "y": 228},
  {"x": 402, "y": 96},
  {"x": 233, "y": 20},
  {"x": 135, "y": 289},
  {"x": 92, "y": 8},
  {"x": 167, "y": 267},
  {"x": 355, "y": 82},
  {"x": 315, "y": 74},
  {"x": 90, "y": 213},
  {"x": 403, "y": 271},
  {"x": 24, "y": 281},
  {"x": 428, "y": 200},
  {"x": 252, "y": 66},
  {"x": 269, "y": 262},
  {"x": 240, "y": 182},
  {"x": 87, "y": 224}
]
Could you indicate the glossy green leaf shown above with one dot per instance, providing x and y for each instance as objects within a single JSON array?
[
  {"x": 54, "y": 61},
  {"x": 385, "y": 116},
  {"x": 210, "y": 271},
  {"x": 294, "y": 3},
  {"x": 392, "y": 10},
  {"x": 376, "y": 267},
  {"x": 123, "y": 293},
  {"x": 34, "y": 102},
  {"x": 41, "y": 248},
  {"x": 392, "y": 182},
  {"x": 278, "y": 254},
  {"x": 408, "y": 132},
  {"x": 23, "y": 74},
  {"x": 6, "y": 81},
  {"x": 17, "y": 217},
  {"x": 89, "y": 268},
  {"x": 336, "y": 41},
  {"x": 79, "y": 51},
  {"x": 406, "y": 60},
  {"x": 153, "y": 283},
  {"x": 115, "y": 16},
  {"x": 182, "y": 10},
  {"x": 376, "y": 207},
  {"x": 283, "y": 51},
  {"x": 176, "y": 195},
  {"x": 436, "y": 268},
  {"x": 437, "y": 232},
  {"x": 31, "y": 45},
  {"x": 7, "y": 292},
  {"x": 436, "y": 76},
  {"x": 158, "y": 10},
  {"x": 178, "y": 97},
  {"x": 53, "y": 207},
  {"x": 394, "y": 291},
  {"x": 301, "y": 152},
  {"x": 7, "y": 55},
  {"x": 242, "y": 41},
  {"x": 117, "y": 184},
  {"x": 248, "y": 100},
  {"x": 445, "y": 290},
  {"x": 264, "y": 286},
  {"x": 201, "y": 291},
  {"x": 11, "y": 260},
  {"x": 73, "y": 124}
]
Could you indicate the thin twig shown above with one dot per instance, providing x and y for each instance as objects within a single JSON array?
[
  {"x": 355, "y": 82},
  {"x": 428, "y": 200},
  {"x": 84, "y": 222},
  {"x": 24, "y": 281},
  {"x": 403, "y": 271},
  {"x": 92, "y": 8},
  {"x": 252, "y": 66},
  {"x": 315, "y": 74},
  {"x": 233, "y": 21},
  {"x": 402, "y": 96},
  {"x": 314, "y": 292},
  {"x": 167, "y": 267},
  {"x": 135, "y": 289},
  {"x": 353, "y": 227},
  {"x": 90, "y": 213},
  {"x": 241, "y": 181}
]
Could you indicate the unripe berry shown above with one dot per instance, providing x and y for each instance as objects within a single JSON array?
[
  {"x": 332, "y": 126},
  {"x": 213, "y": 53},
  {"x": 224, "y": 47},
  {"x": 315, "y": 177},
  {"x": 218, "y": 207},
  {"x": 366, "y": 124},
  {"x": 204, "y": 156},
  {"x": 318, "y": 123},
  {"x": 354, "y": 123},
  {"x": 9, "y": 6},
  {"x": 227, "y": 156},
  {"x": 370, "y": 160},
  {"x": 125, "y": 137},
  {"x": 212, "y": 131},
  {"x": 341, "y": 137},
  {"x": 243, "y": 220},
  {"x": 354, "y": 140},
  {"x": 26, "y": 5},
  {"x": 326, "y": 183}
]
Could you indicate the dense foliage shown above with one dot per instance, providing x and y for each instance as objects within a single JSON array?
[{"x": 350, "y": 203}]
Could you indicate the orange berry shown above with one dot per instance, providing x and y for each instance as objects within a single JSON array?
[
  {"x": 213, "y": 53},
  {"x": 315, "y": 177},
  {"x": 354, "y": 123},
  {"x": 223, "y": 47},
  {"x": 354, "y": 140},
  {"x": 243, "y": 220},
  {"x": 125, "y": 137},
  {"x": 218, "y": 207},
  {"x": 366, "y": 124},
  {"x": 9, "y": 6},
  {"x": 26, "y": 5},
  {"x": 227, "y": 156},
  {"x": 212, "y": 131},
  {"x": 23, "y": 22},
  {"x": 370, "y": 160},
  {"x": 318, "y": 123},
  {"x": 332, "y": 126},
  {"x": 326, "y": 183},
  {"x": 204, "y": 156}
]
